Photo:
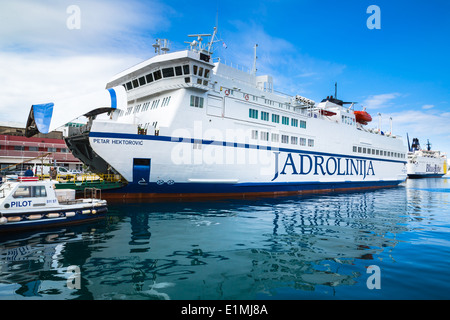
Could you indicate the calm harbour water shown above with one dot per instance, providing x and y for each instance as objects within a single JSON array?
[{"x": 305, "y": 247}]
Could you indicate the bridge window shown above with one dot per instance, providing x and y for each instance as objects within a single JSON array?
[
  {"x": 142, "y": 81},
  {"x": 168, "y": 72},
  {"x": 157, "y": 75},
  {"x": 149, "y": 78},
  {"x": 178, "y": 71}
]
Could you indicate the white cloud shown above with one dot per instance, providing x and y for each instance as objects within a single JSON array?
[
  {"x": 41, "y": 26},
  {"x": 424, "y": 125},
  {"x": 41, "y": 59},
  {"x": 30, "y": 79},
  {"x": 293, "y": 71},
  {"x": 380, "y": 101},
  {"x": 428, "y": 106}
]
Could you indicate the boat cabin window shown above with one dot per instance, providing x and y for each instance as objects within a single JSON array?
[
  {"x": 303, "y": 141},
  {"x": 142, "y": 81},
  {"x": 30, "y": 192},
  {"x": 178, "y": 71},
  {"x": 264, "y": 136},
  {"x": 186, "y": 69},
  {"x": 303, "y": 124},
  {"x": 129, "y": 86},
  {"x": 196, "y": 102},
  {"x": 275, "y": 137},
  {"x": 149, "y": 78},
  {"x": 135, "y": 83},
  {"x": 195, "y": 70}
]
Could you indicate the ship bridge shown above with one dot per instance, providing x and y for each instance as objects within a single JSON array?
[{"x": 167, "y": 71}]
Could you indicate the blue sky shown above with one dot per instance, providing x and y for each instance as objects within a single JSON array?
[{"x": 400, "y": 70}]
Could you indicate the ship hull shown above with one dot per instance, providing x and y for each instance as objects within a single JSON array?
[
  {"x": 158, "y": 167},
  {"x": 216, "y": 191},
  {"x": 423, "y": 176}
]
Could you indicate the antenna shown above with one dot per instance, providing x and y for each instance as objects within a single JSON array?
[
  {"x": 161, "y": 45},
  {"x": 335, "y": 90},
  {"x": 254, "y": 61},
  {"x": 409, "y": 146},
  {"x": 212, "y": 39}
]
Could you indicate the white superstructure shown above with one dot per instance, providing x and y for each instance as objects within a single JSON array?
[{"x": 194, "y": 126}]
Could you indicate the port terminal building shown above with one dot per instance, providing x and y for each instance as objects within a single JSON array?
[{"x": 17, "y": 152}]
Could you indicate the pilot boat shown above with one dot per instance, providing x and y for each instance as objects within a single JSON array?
[{"x": 38, "y": 205}]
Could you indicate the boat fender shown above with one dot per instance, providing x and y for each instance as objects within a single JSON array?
[
  {"x": 3, "y": 220},
  {"x": 86, "y": 211},
  {"x": 70, "y": 214},
  {"x": 53, "y": 215},
  {"x": 14, "y": 219},
  {"x": 34, "y": 216},
  {"x": 94, "y": 211}
]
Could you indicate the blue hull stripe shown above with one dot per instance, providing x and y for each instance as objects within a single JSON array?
[{"x": 113, "y": 135}]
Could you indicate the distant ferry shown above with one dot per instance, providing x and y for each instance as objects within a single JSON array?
[
  {"x": 425, "y": 163},
  {"x": 180, "y": 124}
]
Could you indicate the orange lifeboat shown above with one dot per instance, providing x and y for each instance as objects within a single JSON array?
[{"x": 362, "y": 117}]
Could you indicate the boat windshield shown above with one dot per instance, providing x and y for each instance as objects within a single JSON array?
[{"x": 5, "y": 189}]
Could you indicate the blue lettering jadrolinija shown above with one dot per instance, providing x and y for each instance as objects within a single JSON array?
[{"x": 303, "y": 164}]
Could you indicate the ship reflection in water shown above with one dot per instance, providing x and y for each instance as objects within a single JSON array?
[{"x": 305, "y": 247}]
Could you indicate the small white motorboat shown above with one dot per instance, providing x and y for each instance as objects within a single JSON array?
[{"x": 37, "y": 204}]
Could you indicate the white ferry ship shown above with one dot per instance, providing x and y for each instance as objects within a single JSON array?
[
  {"x": 180, "y": 124},
  {"x": 425, "y": 163}
]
